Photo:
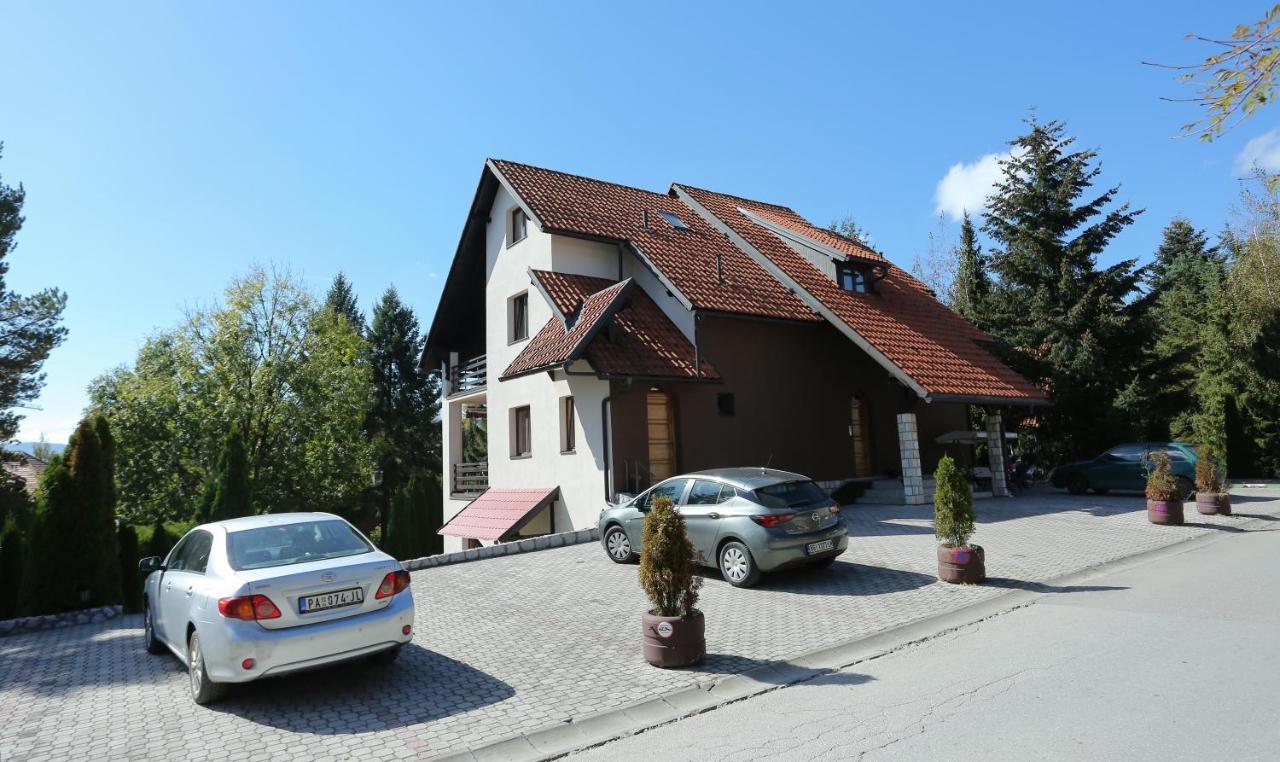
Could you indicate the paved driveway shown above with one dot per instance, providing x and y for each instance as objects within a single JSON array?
[{"x": 518, "y": 642}]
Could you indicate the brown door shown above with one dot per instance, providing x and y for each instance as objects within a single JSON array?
[
  {"x": 662, "y": 439},
  {"x": 860, "y": 432}
]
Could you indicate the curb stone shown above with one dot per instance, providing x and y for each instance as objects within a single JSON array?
[
  {"x": 23, "y": 625},
  {"x": 527, "y": 545},
  {"x": 563, "y": 738}
]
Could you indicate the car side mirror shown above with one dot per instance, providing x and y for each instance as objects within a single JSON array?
[
  {"x": 623, "y": 498},
  {"x": 150, "y": 564}
]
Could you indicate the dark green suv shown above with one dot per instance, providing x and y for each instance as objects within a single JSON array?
[{"x": 1125, "y": 468}]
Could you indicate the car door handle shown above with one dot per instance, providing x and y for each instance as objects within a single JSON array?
[
  {"x": 189, "y": 589},
  {"x": 713, "y": 515}
]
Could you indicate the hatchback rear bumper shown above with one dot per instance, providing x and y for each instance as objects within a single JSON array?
[
  {"x": 786, "y": 551},
  {"x": 227, "y": 643}
]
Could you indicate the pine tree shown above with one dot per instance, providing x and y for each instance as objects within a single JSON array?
[
  {"x": 31, "y": 325},
  {"x": 1058, "y": 319},
  {"x": 231, "y": 498},
  {"x": 341, "y": 299},
  {"x": 401, "y": 423},
  {"x": 160, "y": 542},
  {"x": 12, "y": 560},
  {"x": 402, "y": 534},
  {"x": 130, "y": 577},
  {"x": 972, "y": 285}
]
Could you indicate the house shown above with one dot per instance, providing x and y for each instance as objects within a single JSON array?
[
  {"x": 608, "y": 337},
  {"x": 24, "y": 467}
]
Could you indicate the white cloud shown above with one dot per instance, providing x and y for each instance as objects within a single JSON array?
[
  {"x": 967, "y": 186},
  {"x": 1262, "y": 152}
]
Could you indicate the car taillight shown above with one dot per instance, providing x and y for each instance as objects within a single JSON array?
[
  {"x": 393, "y": 583},
  {"x": 773, "y": 519},
  {"x": 248, "y": 608},
  {"x": 835, "y": 508}
]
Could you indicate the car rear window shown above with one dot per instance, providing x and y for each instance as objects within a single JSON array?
[
  {"x": 293, "y": 544},
  {"x": 792, "y": 495}
]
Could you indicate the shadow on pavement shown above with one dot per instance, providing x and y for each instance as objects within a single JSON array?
[
  {"x": 1040, "y": 587},
  {"x": 1260, "y": 516},
  {"x": 785, "y": 674},
  {"x": 360, "y": 697},
  {"x": 841, "y": 578}
]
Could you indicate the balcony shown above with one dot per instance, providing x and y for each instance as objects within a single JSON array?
[
  {"x": 468, "y": 376},
  {"x": 470, "y": 479}
]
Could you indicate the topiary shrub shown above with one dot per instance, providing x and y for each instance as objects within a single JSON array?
[
  {"x": 667, "y": 562},
  {"x": 160, "y": 542},
  {"x": 130, "y": 577},
  {"x": 952, "y": 505},
  {"x": 1162, "y": 485},
  {"x": 1208, "y": 471}
]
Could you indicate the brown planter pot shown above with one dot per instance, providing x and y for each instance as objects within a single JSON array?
[
  {"x": 1164, "y": 511},
  {"x": 964, "y": 565},
  {"x": 1210, "y": 503},
  {"x": 672, "y": 641}
]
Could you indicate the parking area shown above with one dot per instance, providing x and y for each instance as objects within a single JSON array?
[{"x": 519, "y": 642}]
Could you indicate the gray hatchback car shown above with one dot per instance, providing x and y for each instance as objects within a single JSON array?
[{"x": 744, "y": 521}]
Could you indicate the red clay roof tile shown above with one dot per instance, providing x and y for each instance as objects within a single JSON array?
[{"x": 497, "y": 513}]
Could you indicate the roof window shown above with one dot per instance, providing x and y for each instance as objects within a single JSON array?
[{"x": 675, "y": 221}]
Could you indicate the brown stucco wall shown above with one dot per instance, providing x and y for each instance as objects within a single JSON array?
[{"x": 792, "y": 387}]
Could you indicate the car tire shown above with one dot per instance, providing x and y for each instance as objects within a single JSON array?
[
  {"x": 149, "y": 639},
  {"x": 1186, "y": 488},
  {"x": 384, "y": 658},
  {"x": 737, "y": 566},
  {"x": 1077, "y": 484},
  {"x": 618, "y": 546},
  {"x": 203, "y": 690},
  {"x": 1100, "y": 490}
]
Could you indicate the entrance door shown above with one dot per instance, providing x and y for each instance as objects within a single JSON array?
[
  {"x": 860, "y": 433},
  {"x": 662, "y": 435}
]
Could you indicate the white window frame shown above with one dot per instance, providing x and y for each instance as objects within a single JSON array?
[
  {"x": 568, "y": 426},
  {"x": 515, "y": 434},
  {"x": 518, "y": 226},
  {"x": 513, "y": 327}
]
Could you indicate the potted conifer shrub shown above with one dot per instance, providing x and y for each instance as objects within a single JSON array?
[
  {"x": 1164, "y": 494},
  {"x": 674, "y": 631},
  {"x": 1211, "y": 496},
  {"x": 958, "y": 561}
]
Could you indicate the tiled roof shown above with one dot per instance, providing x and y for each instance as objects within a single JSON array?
[
  {"x": 687, "y": 258},
  {"x": 784, "y": 217},
  {"x": 498, "y": 513},
  {"x": 643, "y": 342},
  {"x": 25, "y": 467},
  {"x": 928, "y": 342}
]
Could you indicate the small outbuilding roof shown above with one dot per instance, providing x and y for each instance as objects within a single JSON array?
[{"x": 498, "y": 514}]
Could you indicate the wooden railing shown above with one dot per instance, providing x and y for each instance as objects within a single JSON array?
[
  {"x": 470, "y": 478},
  {"x": 468, "y": 376}
]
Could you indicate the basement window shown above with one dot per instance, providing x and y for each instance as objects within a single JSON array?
[
  {"x": 852, "y": 278},
  {"x": 675, "y": 221}
]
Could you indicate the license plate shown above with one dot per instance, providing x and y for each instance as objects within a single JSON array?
[
  {"x": 336, "y": 599},
  {"x": 819, "y": 547}
]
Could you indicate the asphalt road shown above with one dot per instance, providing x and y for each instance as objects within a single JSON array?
[{"x": 1175, "y": 659}]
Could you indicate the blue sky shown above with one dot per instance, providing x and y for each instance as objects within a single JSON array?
[{"x": 168, "y": 147}]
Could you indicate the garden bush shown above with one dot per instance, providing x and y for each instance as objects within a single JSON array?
[
  {"x": 1161, "y": 483},
  {"x": 1208, "y": 471},
  {"x": 667, "y": 562},
  {"x": 952, "y": 505}
]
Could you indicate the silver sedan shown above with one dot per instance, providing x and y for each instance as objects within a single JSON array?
[
  {"x": 246, "y": 598},
  {"x": 744, "y": 521}
]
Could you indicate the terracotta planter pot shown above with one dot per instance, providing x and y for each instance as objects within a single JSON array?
[
  {"x": 672, "y": 641},
  {"x": 964, "y": 565},
  {"x": 1210, "y": 503},
  {"x": 1164, "y": 511}
]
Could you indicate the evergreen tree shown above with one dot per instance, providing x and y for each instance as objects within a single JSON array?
[
  {"x": 1058, "y": 319},
  {"x": 230, "y": 498},
  {"x": 31, "y": 325},
  {"x": 160, "y": 542},
  {"x": 402, "y": 422},
  {"x": 12, "y": 560},
  {"x": 341, "y": 299},
  {"x": 402, "y": 535},
  {"x": 972, "y": 285},
  {"x": 78, "y": 562},
  {"x": 130, "y": 577}
]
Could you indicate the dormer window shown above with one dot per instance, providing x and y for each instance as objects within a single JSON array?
[
  {"x": 852, "y": 278},
  {"x": 675, "y": 221}
]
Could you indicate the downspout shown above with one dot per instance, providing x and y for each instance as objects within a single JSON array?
[
  {"x": 697, "y": 358},
  {"x": 606, "y": 430}
]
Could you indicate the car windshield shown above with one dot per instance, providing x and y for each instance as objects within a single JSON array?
[
  {"x": 293, "y": 544},
  {"x": 791, "y": 495}
]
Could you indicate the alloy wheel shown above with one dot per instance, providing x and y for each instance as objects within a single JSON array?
[
  {"x": 196, "y": 660},
  {"x": 618, "y": 544},
  {"x": 733, "y": 563}
]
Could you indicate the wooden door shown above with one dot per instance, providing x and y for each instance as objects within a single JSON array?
[
  {"x": 662, "y": 439},
  {"x": 860, "y": 432}
]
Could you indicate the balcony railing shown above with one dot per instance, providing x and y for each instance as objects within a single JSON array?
[
  {"x": 470, "y": 478},
  {"x": 468, "y": 376}
]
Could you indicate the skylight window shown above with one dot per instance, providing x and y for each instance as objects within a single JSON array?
[{"x": 675, "y": 221}]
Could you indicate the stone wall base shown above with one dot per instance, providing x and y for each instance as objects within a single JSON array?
[
  {"x": 529, "y": 545},
  {"x": 65, "y": 619}
]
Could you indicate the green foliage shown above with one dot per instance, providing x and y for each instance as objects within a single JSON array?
[
  {"x": 130, "y": 577},
  {"x": 952, "y": 505},
  {"x": 12, "y": 561},
  {"x": 77, "y": 565},
  {"x": 159, "y": 540},
  {"x": 42, "y": 450},
  {"x": 292, "y": 377},
  {"x": 848, "y": 227},
  {"x": 667, "y": 562},
  {"x": 1059, "y": 320},
  {"x": 31, "y": 325},
  {"x": 341, "y": 300},
  {"x": 403, "y": 531},
  {"x": 416, "y": 514},
  {"x": 1208, "y": 471},
  {"x": 972, "y": 286},
  {"x": 401, "y": 423},
  {"x": 475, "y": 439},
  {"x": 230, "y": 498},
  {"x": 1161, "y": 483}
]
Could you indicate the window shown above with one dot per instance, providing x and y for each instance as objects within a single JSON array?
[
  {"x": 519, "y": 311},
  {"x": 708, "y": 493},
  {"x": 521, "y": 445},
  {"x": 852, "y": 278},
  {"x": 675, "y": 221},
  {"x": 724, "y": 404},
  {"x": 1126, "y": 453},
  {"x": 192, "y": 554},
  {"x": 286, "y": 544},
  {"x": 792, "y": 495},
  {"x": 673, "y": 489},
  {"x": 568, "y": 434},
  {"x": 519, "y": 226},
  {"x": 1174, "y": 453}
]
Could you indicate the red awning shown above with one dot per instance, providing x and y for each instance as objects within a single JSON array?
[{"x": 498, "y": 513}]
